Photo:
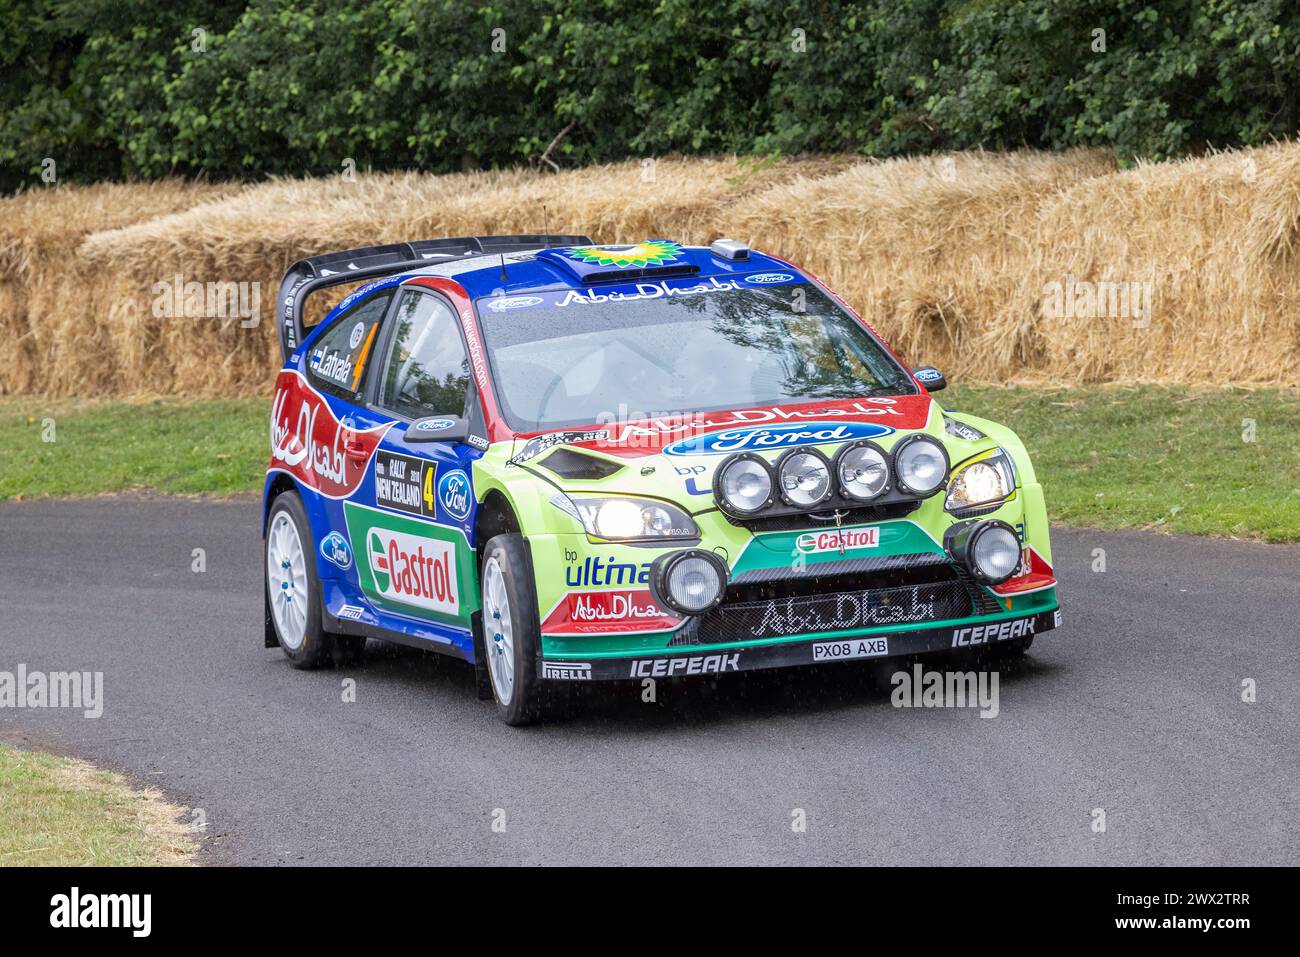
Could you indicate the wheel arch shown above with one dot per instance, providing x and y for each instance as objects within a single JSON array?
[
  {"x": 277, "y": 483},
  {"x": 496, "y": 516}
]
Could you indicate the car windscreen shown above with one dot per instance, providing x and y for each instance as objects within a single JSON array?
[{"x": 648, "y": 349}]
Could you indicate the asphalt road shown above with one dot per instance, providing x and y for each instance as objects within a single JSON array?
[{"x": 1133, "y": 707}]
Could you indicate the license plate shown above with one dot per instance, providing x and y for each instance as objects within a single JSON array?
[{"x": 850, "y": 648}]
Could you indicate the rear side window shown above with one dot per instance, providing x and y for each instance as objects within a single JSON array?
[
  {"x": 427, "y": 370},
  {"x": 338, "y": 359}
]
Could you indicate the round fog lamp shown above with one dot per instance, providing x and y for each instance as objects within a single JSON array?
[
  {"x": 693, "y": 584},
  {"x": 805, "y": 479},
  {"x": 990, "y": 550},
  {"x": 863, "y": 471},
  {"x": 689, "y": 582},
  {"x": 921, "y": 463},
  {"x": 996, "y": 553},
  {"x": 744, "y": 485}
]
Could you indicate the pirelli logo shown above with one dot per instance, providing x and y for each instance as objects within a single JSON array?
[
  {"x": 566, "y": 670},
  {"x": 999, "y": 631}
]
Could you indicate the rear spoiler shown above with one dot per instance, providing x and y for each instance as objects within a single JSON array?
[{"x": 308, "y": 276}]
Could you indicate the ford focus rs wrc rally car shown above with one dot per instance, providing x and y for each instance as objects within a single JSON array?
[{"x": 566, "y": 462}]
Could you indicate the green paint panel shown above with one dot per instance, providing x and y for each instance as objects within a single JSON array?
[
  {"x": 882, "y": 539},
  {"x": 413, "y": 567}
]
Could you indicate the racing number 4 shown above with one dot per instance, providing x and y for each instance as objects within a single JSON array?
[{"x": 428, "y": 489}]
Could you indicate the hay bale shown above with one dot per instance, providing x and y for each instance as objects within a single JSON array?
[
  {"x": 46, "y": 320},
  {"x": 253, "y": 236},
  {"x": 952, "y": 257},
  {"x": 929, "y": 250},
  {"x": 1214, "y": 237}
]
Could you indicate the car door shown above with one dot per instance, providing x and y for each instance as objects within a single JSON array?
[
  {"x": 410, "y": 524},
  {"x": 325, "y": 436}
]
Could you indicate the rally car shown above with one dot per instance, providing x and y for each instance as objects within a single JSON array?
[{"x": 570, "y": 462}]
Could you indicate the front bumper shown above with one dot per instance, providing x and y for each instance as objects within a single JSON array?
[{"x": 820, "y": 649}]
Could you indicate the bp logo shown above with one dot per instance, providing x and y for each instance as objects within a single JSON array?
[{"x": 653, "y": 252}]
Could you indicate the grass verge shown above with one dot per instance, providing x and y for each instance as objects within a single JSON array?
[
  {"x": 1205, "y": 462},
  {"x": 1208, "y": 462},
  {"x": 76, "y": 448},
  {"x": 59, "y": 812}
]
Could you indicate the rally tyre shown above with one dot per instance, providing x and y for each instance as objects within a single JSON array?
[
  {"x": 511, "y": 630},
  {"x": 292, "y": 590}
]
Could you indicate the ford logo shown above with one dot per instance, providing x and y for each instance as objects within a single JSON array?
[
  {"x": 434, "y": 425},
  {"x": 763, "y": 438},
  {"x": 768, "y": 278},
  {"x": 334, "y": 548},
  {"x": 928, "y": 375},
  {"x": 513, "y": 302},
  {"x": 453, "y": 492}
]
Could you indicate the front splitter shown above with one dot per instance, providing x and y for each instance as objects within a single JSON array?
[{"x": 814, "y": 650}]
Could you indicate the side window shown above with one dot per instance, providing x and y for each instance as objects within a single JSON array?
[
  {"x": 427, "y": 370},
  {"x": 337, "y": 363}
]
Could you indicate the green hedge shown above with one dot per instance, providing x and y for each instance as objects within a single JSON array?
[{"x": 119, "y": 90}]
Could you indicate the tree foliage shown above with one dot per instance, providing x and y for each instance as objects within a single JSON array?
[{"x": 136, "y": 89}]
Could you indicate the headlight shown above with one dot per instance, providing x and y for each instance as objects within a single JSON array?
[
  {"x": 744, "y": 485},
  {"x": 689, "y": 582},
  {"x": 921, "y": 464},
  {"x": 805, "y": 478},
  {"x": 983, "y": 482},
  {"x": 863, "y": 471},
  {"x": 621, "y": 519}
]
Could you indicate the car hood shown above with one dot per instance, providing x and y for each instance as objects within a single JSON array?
[{"x": 675, "y": 456}]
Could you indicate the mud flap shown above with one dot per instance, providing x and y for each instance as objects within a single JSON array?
[
  {"x": 482, "y": 683},
  {"x": 271, "y": 641}
]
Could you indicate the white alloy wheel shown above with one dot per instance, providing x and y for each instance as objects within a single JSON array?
[
  {"x": 498, "y": 631},
  {"x": 286, "y": 579}
]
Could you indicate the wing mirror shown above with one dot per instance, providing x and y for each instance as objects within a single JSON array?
[
  {"x": 930, "y": 377},
  {"x": 438, "y": 428}
]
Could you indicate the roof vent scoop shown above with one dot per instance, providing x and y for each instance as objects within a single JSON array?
[{"x": 730, "y": 249}]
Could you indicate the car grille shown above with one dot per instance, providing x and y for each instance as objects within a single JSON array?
[{"x": 842, "y": 596}]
